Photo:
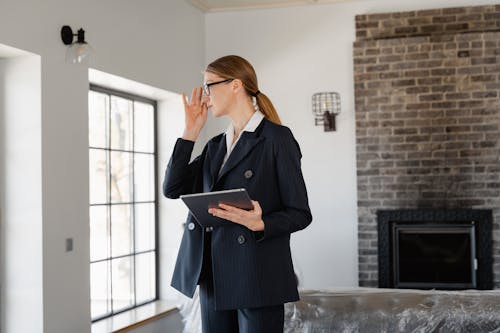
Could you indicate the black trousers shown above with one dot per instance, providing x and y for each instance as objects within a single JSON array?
[{"x": 254, "y": 320}]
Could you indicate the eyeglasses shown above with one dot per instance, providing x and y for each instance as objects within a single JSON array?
[{"x": 206, "y": 86}]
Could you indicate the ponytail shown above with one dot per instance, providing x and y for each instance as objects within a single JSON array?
[{"x": 267, "y": 108}]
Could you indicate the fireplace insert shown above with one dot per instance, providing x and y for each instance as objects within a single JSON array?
[
  {"x": 434, "y": 256},
  {"x": 435, "y": 249}
]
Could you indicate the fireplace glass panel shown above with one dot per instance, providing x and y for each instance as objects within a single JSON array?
[{"x": 434, "y": 256}]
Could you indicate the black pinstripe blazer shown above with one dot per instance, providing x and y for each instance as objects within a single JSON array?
[{"x": 251, "y": 269}]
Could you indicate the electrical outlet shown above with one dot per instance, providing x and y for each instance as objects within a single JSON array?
[{"x": 69, "y": 244}]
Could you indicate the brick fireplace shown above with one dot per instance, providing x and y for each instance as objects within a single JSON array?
[{"x": 427, "y": 99}]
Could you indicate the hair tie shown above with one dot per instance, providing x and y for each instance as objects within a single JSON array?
[{"x": 256, "y": 93}]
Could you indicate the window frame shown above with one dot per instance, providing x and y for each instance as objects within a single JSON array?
[{"x": 134, "y": 98}]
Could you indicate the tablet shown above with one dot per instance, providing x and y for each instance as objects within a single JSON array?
[{"x": 199, "y": 203}]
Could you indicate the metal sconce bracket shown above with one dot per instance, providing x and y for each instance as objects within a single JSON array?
[{"x": 325, "y": 107}]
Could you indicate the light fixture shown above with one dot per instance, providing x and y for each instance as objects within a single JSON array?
[
  {"x": 325, "y": 106},
  {"x": 78, "y": 52}
]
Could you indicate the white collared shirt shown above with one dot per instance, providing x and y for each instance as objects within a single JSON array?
[{"x": 251, "y": 126}]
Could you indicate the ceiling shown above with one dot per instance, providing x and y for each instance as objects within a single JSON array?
[{"x": 228, "y": 5}]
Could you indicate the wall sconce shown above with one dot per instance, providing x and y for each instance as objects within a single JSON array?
[
  {"x": 79, "y": 51},
  {"x": 325, "y": 106}
]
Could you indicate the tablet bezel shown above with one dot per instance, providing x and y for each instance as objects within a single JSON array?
[{"x": 199, "y": 203}]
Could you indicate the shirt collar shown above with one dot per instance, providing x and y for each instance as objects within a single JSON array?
[{"x": 251, "y": 125}]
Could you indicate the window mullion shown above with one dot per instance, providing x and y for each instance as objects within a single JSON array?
[
  {"x": 110, "y": 252},
  {"x": 155, "y": 158},
  {"x": 134, "y": 256}
]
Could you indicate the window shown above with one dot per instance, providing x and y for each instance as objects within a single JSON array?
[{"x": 123, "y": 203}]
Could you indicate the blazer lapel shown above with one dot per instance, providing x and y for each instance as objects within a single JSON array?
[
  {"x": 218, "y": 151},
  {"x": 244, "y": 146}
]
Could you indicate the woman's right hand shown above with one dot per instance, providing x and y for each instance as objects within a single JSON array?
[{"x": 195, "y": 114}]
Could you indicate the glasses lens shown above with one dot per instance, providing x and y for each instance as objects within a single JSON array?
[{"x": 206, "y": 89}]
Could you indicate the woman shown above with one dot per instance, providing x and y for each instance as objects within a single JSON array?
[{"x": 244, "y": 269}]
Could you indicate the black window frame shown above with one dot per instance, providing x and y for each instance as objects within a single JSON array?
[{"x": 134, "y": 98}]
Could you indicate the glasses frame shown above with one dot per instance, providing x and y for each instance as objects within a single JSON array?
[{"x": 206, "y": 86}]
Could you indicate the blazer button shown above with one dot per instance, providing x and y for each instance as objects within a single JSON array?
[
  {"x": 191, "y": 226},
  {"x": 209, "y": 229},
  {"x": 248, "y": 174},
  {"x": 241, "y": 239}
]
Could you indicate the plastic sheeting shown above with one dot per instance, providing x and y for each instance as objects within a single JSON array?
[
  {"x": 190, "y": 310},
  {"x": 367, "y": 310}
]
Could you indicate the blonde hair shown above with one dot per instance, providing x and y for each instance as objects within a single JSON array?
[{"x": 236, "y": 67}]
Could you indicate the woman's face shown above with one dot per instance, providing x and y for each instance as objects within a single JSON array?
[{"x": 221, "y": 96}]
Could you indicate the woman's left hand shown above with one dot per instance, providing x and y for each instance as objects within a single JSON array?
[{"x": 252, "y": 219}]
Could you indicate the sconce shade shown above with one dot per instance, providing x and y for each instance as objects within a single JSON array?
[
  {"x": 325, "y": 106},
  {"x": 78, "y": 52}
]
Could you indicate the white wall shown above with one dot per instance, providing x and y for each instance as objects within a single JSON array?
[
  {"x": 20, "y": 196},
  {"x": 157, "y": 42},
  {"x": 296, "y": 52},
  {"x": 171, "y": 233}
]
